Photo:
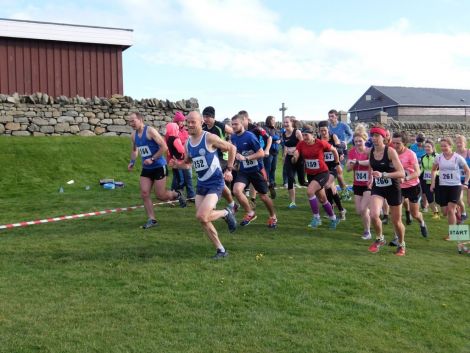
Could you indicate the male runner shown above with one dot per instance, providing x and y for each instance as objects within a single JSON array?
[{"x": 152, "y": 148}]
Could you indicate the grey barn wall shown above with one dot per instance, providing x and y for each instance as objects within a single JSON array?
[{"x": 42, "y": 115}]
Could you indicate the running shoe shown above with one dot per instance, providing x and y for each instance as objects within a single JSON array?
[
  {"x": 272, "y": 191},
  {"x": 408, "y": 218},
  {"x": 247, "y": 220},
  {"x": 181, "y": 199},
  {"x": 272, "y": 222},
  {"x": 334, "y": 223},
  {"x": 315, "y": 222},
  {"x": 425, "y": 210},
  {"x": 230, "y": 220},
  {"x": 292, "y": 205},
  {"x": 343, "y": 214},
  {"x": 394, "y": 242},
  {"x": 376, "y": 245},
  {"x": 220, "y": 254},
  {"x": 150, "y": 223},
  {"x": 235, "y": 207},
  {"x": 366, "y": 235},
  {"x": 424, "y": 231},
  {"x": 400, "y": 251}
]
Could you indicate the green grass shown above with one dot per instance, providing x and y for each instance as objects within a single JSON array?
[{"x": 101, "y": 284}]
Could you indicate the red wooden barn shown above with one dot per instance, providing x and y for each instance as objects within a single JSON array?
[{"x": 61, "y": 59}]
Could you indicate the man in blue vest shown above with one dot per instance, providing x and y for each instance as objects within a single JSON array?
[
  {"x": 152, "y": 148},
  {"x": 202, "y": 150}
]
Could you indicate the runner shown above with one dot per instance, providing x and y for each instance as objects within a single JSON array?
[
  {"x": 345, "y": 135},
  {"x": 175, "y": 155},
  {"x": 426, "y": 166},
  {"x": 152, "y": 148},
  {"x": 291, "y": 137},
  {"x": 250, "y": 154},
  {"x": 386, "y": 170},
  {"x": 202, "y": 149},
  {"x": 265, "y": 142},
  {"x": 450, "y": 187},
  {"x": 270, "y": 162},
  {"x": 335, "y": 170},
  {"x": 410, "y": 185},
  {"x": 312, "y": 151},
  {"x": 186, "y": 175},
  {"x": 221, "y": 130},
  {"x": 462, "y": 150},
  {"x": 358, "y": 162}
]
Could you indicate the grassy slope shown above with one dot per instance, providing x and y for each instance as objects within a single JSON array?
[{"x": 102, "y": 284}]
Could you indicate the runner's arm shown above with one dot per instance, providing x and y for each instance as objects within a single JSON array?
[
  {"x": 159, "y": 140},
  {"x": 399, "y": 171},
  {"x": 134, "y": 153}
]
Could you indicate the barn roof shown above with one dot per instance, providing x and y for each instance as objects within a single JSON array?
[
  {"x": 426, "y": 96},
  {"x": 65, "y": 32}
]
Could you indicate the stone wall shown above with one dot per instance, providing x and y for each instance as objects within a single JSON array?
[
  {"x": 431, "y": 130},
  {"x": 39, "y": 114}
]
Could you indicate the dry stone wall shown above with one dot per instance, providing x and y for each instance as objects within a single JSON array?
[
  {"x": 432, "y": 130},
  {"x": 40, "y": 115}
]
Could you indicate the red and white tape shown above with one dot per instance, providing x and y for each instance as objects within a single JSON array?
[{"x": 76, "y": 216}]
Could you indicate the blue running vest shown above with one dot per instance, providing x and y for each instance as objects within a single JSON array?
[
  {"x": 147, "y": 148},
  {"x": 206, "y": 163}
]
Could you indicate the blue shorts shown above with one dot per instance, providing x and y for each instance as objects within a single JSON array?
[{"x": 204, "y": 190}]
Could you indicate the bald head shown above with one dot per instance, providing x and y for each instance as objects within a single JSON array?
[{"x": 194, "y": 122}]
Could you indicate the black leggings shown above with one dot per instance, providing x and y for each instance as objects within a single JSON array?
[{"x": 291, "y": 169}]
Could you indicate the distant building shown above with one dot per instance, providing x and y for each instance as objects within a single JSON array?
[
  {"x": 413, "y": 104},
  {"x": 61, "y": 59}
]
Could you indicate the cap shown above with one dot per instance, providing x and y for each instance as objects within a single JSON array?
[
  {"x": 209, "y": 111},
  {"x": 179, "y": 117}
]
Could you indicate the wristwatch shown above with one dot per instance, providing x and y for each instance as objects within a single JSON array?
[{"x": 152, "y": 159}]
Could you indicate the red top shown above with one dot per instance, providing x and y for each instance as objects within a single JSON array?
[
  {"x": 361, "y": 172},
  {"x": 314, "y": 160}
]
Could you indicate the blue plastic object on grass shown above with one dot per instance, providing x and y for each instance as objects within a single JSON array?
[{"x": 109, "y": 186}]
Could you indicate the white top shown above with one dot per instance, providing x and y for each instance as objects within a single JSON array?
[
  {"x": 449, "y": 169},
  {"x": 65, "y": 32}
]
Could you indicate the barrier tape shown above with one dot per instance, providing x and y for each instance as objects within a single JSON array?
[
  {"x": 84, "y": 215},
  {"x": 76, "y": 216}
]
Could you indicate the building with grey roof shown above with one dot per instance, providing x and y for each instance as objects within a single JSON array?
[{"x": 412, "y": 104}]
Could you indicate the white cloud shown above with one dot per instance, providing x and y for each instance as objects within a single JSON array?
[{"x": 243, "y": 39}]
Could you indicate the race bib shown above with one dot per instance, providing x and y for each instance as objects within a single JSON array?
[
  {"x": 447, "y": 176},
  {"x": 250, "y": 163},
  {"x": 144, "y": 151},
  {"x": 200, "y": 163},
  {"x": 383, "y": 182},
  {"x": 361, "y": 175},
  {"x": 329, "y": 156},
  {"x": 312, "y": 164},
  {"x": 427, "y": 175}
]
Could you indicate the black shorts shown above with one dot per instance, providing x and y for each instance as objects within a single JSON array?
[
  {"x": 321, "y": 178},
  {"x": 359, "y": 190},
  {"x": 412, "y": 193},
  {"x": 390, "y": 193},
  {"x": 155, "y": 173},
  {"x": 449, "y": 194},
  {"x": 334, "y": 173},
  {"x": 257, "y": 179}
]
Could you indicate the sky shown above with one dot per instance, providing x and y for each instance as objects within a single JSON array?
[{"x": 255, "y": 55}]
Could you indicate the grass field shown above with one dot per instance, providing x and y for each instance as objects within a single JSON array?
[{"x": 101, "y": 284}]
